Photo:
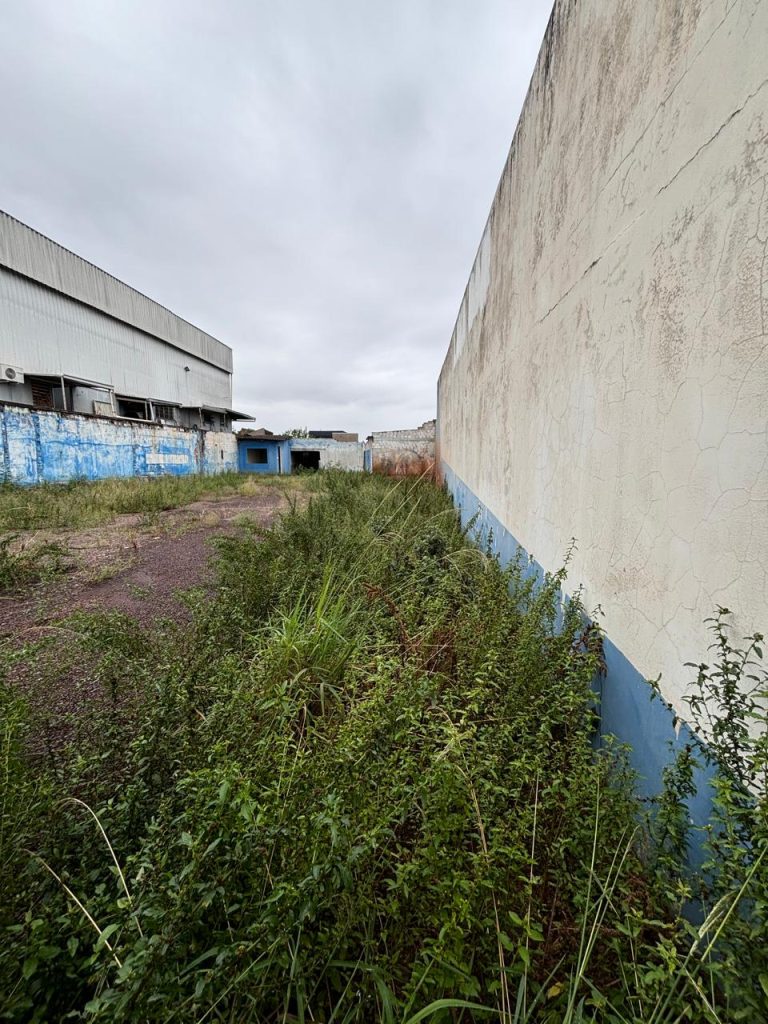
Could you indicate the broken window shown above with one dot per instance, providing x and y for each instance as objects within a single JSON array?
[
  {"x": 42, "y": 394},
  {"x": 256, "y": 456},
  {"x": 303, "y": 459},
  {"x": 165, "y": 412},
  {"x": 132, "y": 408}
]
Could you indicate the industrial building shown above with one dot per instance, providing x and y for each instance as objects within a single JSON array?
[
  {"x": 74, "y": 339},
  {"x": 607, "y": 375}
]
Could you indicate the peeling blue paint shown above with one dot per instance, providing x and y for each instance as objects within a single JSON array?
[{"x": 42, "y": 446}]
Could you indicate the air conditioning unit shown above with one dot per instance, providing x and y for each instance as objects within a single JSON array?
[{"x": 11, "y": 374}]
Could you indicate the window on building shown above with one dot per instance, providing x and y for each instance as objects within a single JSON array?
[
  {"x": 256, "y": 456},
  {"x": 42, "y": 394},
  {"x": 302, "y": 458},
  {"x": 132, "y": 408},
  {"x": 165, "y": 412}
]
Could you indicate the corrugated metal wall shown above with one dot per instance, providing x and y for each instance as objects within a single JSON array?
[
  {"x": 46, "y": 332},
  {"x": 27, "y": 252}
]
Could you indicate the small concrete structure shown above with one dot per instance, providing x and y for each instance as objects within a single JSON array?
[
  {"x": 261, "y": 451},
  {"x": 326, "y": 453},
  {"x": 402, "y": 452}
]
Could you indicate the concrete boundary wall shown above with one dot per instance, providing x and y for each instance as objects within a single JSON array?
[
  {"x": 38, "y": 446},
  {"x": 607, "y": 376},
  {"x": 402, "y": 452}
]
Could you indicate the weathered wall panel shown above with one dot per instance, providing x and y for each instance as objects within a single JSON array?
[
  {"x": 45, "y": 332},
  {"x": 333, "y": 454},
  {"x": 37, "y": 446},
  {"x": 608, "y": 373},
  {"x": 219, "y": 452},
  {"x": 403, "y": 452},
  {"x": 27, "y": 252}
]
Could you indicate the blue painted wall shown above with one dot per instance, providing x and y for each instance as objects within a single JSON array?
[
  {"x": 278, "y": 456},
  {"x": 41, "y": 446},
  {"x": 627, "y": 710}
]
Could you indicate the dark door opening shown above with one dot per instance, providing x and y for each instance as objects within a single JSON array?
[{"x": 303, "y": 459}]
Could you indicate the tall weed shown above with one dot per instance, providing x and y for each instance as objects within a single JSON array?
[{"x": 361, "y": 785}]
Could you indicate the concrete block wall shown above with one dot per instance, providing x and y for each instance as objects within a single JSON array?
[
  {"x": 403, "y": 452},
  {"x": 41, "y": 446},
  {"x": 607, "y": 376}
]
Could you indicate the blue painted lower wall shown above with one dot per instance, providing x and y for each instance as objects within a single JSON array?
[
  {"x": 42, "y": 446},
  {"x": 627, "y": 710},
  {"x": 277, "y": 455}
]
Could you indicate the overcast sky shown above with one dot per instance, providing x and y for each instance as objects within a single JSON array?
[{"x": 307, "y": 181}]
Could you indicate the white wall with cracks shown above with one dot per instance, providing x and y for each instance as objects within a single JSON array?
[{"x": 609, "y": 381}]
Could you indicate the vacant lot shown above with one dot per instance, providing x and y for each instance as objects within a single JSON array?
[
  {"x": 129, "y": 545},
  {"x": 352, "y": 777}
]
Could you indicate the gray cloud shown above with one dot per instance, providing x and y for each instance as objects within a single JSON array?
[{"x": 306, "y": 181}]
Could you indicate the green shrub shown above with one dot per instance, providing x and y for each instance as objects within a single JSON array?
[{"x": 360, "y": 785}]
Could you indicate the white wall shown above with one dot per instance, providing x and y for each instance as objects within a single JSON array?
[
  {"x": 608, "y": 374},
  {"x": 45, "y": 332},
  {"x": 408, "y": 452},
  {"x": 32, "y": 255},
  {"x": 333, "y": 454}
]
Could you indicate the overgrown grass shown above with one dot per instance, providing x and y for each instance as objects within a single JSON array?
[
  {"x": 361, "y": 786},
  {"x": 89, "y": 503},
  {"x": 21, "y": 566}
]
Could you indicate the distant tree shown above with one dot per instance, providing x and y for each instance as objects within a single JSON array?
[{"x": 297, "y": 432}]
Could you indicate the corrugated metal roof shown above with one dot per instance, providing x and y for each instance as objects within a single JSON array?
[
  {"x": 27, "y": 252},
  {"x": 222, "y": 410}
]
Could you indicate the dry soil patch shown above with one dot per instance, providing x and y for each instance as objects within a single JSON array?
[{"x": 136, "y": 564}]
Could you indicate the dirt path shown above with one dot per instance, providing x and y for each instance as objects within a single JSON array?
[{"x": 136, "y": 564}]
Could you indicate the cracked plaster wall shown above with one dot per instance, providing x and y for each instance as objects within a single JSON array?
[
  {"x": 608, "y": 373},
  {"x": 41, "y": 446}
]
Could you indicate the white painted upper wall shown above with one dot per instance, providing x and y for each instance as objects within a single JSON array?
[
  {"x": 27, "y": 252},
  {"x": 45, "y": 332},
  {"x": 333, "y": 454},
  {"x": 608, "y": 375}
]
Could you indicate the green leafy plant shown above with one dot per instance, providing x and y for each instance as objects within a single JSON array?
[{"x": 361, "y": 785}]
